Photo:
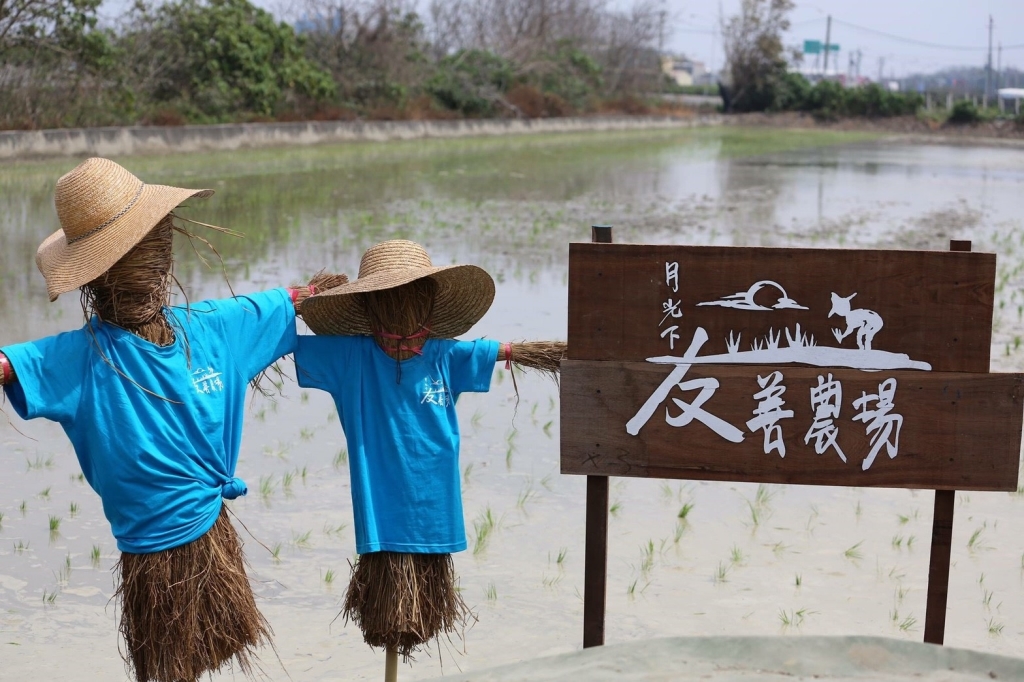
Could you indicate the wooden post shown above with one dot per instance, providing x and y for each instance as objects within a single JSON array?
[
  {"x": 942, "y": 537},
  {"x": 595, "y": 570}
]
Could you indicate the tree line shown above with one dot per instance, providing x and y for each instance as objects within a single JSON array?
[{"x": 212, "y": 61}]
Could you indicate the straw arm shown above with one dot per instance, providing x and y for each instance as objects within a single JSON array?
[
  {"x": 7, "y": 375},
  {"x": 544, "y": 356},
  {"x": 321, "y": 281}
]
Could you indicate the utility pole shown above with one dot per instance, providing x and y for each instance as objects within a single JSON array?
[
  {"x": 999, "y": 66},
  {"x": 828, "y": 44},
  {"x": 988, "y": 66},
  {"x": 881, "y": 69}
]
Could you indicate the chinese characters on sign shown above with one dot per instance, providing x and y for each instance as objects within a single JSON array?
[
  {"x": 671, "y": 307},
  {"x": 875, "y": 410}
]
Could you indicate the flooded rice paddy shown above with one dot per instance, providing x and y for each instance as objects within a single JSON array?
[{"x": 685, "y": 558}]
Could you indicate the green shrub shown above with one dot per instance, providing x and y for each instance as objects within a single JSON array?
[
  {"x": 964, "y": 113},
  {"x": 471, "y": 82}
]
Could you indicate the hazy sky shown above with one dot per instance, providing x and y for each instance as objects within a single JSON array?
[{"x": 954, "y": 23}]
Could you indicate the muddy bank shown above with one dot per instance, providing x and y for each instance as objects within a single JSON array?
[
  {"x": 840, "y": 659},
  {"x": 135, "y": 140},
  {"x": 909, "y": 128}
]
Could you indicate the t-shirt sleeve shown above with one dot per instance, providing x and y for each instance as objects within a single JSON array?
[
  {"x": 49, "y": 376},
  {"x": 471, "y": 365},
  {"x": 258, "y": 328},
  {"x": 317, "y": 361}
]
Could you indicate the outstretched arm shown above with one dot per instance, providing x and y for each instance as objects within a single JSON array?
[
  {"x": 544, "y": 356},
  {"x": 7, "y": 375}
]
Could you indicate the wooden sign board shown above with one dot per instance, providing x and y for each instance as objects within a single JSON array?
[{"x": 815, "y": 366}]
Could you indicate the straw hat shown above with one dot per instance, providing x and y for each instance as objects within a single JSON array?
[
  {"x": 104, "y": 211},
  {"x": 464, "y": 292}
]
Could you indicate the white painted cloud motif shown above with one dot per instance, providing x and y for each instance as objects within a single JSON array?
[{"x": 744, "y": 300}]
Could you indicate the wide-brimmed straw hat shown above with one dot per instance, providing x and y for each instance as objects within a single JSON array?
[
  {"x": 104, "y": 211},
  {"x": 464, "y": 292}
]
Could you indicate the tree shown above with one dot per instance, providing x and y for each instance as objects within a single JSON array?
[
  {"x": 222, "y": 57},
  {"x": 755, "y": 55}
]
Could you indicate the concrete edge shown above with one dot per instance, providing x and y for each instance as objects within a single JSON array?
[{"x": 140, "y": 140}]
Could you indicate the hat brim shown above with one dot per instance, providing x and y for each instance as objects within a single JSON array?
[
  {"x": 464, "y": 295},
  {"x": 66, "y": 266}
]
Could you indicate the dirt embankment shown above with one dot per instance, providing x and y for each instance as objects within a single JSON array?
[{"x": 1007, "y": 130}]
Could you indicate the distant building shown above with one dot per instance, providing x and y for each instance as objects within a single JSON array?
[{"x": 682, "y": 70}]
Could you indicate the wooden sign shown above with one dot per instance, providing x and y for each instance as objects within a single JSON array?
[{"x": 814, "y": 366}]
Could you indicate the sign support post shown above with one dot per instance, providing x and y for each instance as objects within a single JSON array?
[
  {"x": 595, "y": 571},
  {"x": 942, "y": 537}
]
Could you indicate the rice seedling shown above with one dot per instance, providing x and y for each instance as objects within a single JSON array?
[
  {"x": 261, "y": 414},
  {"x": 483, "y": 528},
  {"x": 304, "y": 397},
  {"x": 306, "y": 433},
  {"x": 74, "y": 510},
  {"x": 631, "y": 589},
  {"x": 94, "y": 556},
  {"x": 994, "y": 628},
  {"x": 722, "y": 573},
  {"x": 986, "y": 599},
  {"x": 38, "y": 463},
  {"x": 302, "y": 541},
  {"x": 526, "y": 494},
  {"x": 684, "y": 512},
  {"x": 552, "y": 581},
  {"x": 508, "y": 457},
  {"x": 330, "y": 530},
  {"x": 55, "y": 524},
  {"x": 78, "y": 478},
  {"x": 546, "y": 482},
  {"x": 20, "y": 546},
  {"x": 904, "y": 624},
  {"x": 975, "y": 543},
  {"x": 736, "y": 555},
  {"x": 858, "y": 510},
  {"x": 854, "y": 553},
  {"x": 615, "y": 508},
  {"x": 275, "y": 553},
  {"x": 910, "y": 542},
  {"x": 560, "y": 557},
  {"x": 332, "y": 416},
  {"x": 267, "y": 487},
  {"x": 302, "y": 475},
  {"x": 63, "y": 575},
  {"x": 491, "y": 592},
  {"x": 903, "y": 519},
  {"x": 792, "y": 618},
  {"x": 477, "y": 416},
  {"x": 44, "y": 494},
  {"x": 646, "y": 558},
  {"x": 901, "y": 592},
  {"x": 286, "y": 482},
  {"x": 896, "y": 574},
  {"x": 329, "y": 576},
  {"x": 341, "y": 459},
  {"x": 798, "y": 581},
  {"x": 779, "y": 548},
  {"x": 467, "y": 472},
  {"x": 547, "y": 428},
  {"x": 49, "y": 598},
  {"x": 677, "y": 532},
  {"x": 1, "y": 520},
  {"x": 897, "y": 541}
]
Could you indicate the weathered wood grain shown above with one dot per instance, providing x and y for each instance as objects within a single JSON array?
[
  {"x": 960, "y": 431},
  {"x": 936, "y": 306}
]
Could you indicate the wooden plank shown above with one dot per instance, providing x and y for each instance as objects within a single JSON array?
[
  {"x": 938, "y": 567},
  {"x": 958, "y": 430},
  {"x": 934, "y": 306},
  {"x": 595, "y": 571}
]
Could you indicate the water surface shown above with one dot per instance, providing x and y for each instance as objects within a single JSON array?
[{"x": 782, "y": 560}]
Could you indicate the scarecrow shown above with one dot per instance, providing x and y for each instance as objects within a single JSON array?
[
  {"x": 152, "y": 399},
  {"x": 385, "y": 350}
]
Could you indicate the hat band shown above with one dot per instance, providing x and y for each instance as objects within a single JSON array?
[{"x": 120, "y": 213}]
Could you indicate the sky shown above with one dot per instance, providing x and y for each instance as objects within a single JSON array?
[{"x": 946, "y": 23}]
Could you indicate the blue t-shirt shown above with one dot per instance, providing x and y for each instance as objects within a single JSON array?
[
  {"x": 403, "y": 438},
  {"x": 160, "y": 467}
]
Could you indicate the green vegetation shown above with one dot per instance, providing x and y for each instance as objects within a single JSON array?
[{"x": 213, "y": 61}]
